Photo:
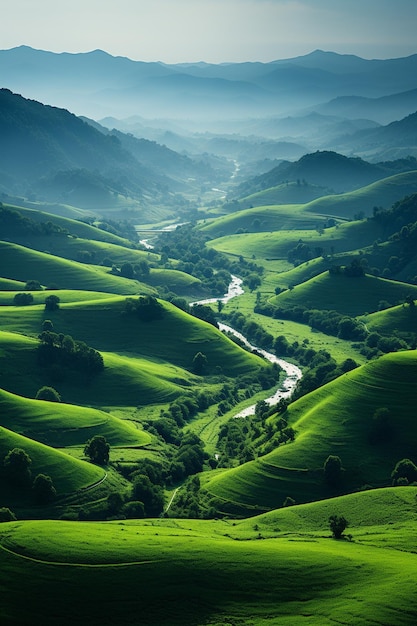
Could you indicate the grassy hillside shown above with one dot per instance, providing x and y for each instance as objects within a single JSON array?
[
  {"x": 286, "y": 193},
  {"x": 264, "y": 219},
  {"x": 10, "y": 285},
  {"x": 59, "y": 425},
  {"x": 23, "y": 264},
  {"x": 125, "y": 381},
  {"x": 184, "y": 571},
  {"x": 400, "y": 320},
  {"x": 74, "y": 226},
  {"x": 175, "y": 338},
  {"x": 349, "y": 295},
  {"x": 68, "y": 474},
  {"x": 277, "y": 244},
  {"x": 382, "y": 193},
  {"x": 336, "y": 419}
]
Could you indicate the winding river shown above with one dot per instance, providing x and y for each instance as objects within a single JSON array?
[{"x": 292, "y": 371}]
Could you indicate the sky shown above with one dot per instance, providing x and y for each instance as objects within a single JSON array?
[{"x": 215, "y": 31}]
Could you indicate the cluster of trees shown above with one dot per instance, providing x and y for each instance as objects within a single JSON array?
[
  {"x": 146, "y": 308},
  {"x": 13, "y": 223},
  {"x": 214, "y": 269},
  {"x": 404, "y": 473},
  {"x": 59, "y": 352},
  {"x": 326, "y": 321},
  {"x": 244, "y": 439},
  {"x": 17, "y": 473},
  {"x": 253, "y": 331},
  {"x": 333, "y": 323},
  {"x": 137, "y": 271},
  {"x": 25, "y": 298}
]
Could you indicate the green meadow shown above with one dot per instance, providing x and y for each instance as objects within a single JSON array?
[
  {"x": 346, "y": 294},
  {"x": 24, "y": 264},
  {"x": 184, "y": 571}
]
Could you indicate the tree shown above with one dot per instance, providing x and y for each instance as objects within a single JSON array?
[
  {"x": 43, "y": 489},
  {"x": 48, "y": 393},
  {"x": 404, "y": 469},
  {"x": 151, "y": 495},
  {"x": 114, "y": 502},
  {"x": 252, "y": 281},
  {"x": 17, "y": 467},
  {"x": 127, "y": 270},
  {"x": 52, "y": 303},
  {"x": 33, "y": 285},
  {"x": 98, "y": 450},
  {"x": 6, "y": 515},
  {"x": 47, "y": 325},
  {"x": 199, "y": 363},
  {"x": 22, "y": 299},
  {"x": 333, "y": 470},
  {"x": 134, "y": 509},
  {"x": 337, "y": 525}
]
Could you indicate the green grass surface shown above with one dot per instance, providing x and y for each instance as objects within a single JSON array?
[
  {"x": 383, "y": 193},
  {"x": 73, "y": 224},
  {"x": 348, "y": 295},
  {"x": 57, "y": 424},
  {"x": 396, "y": 320},
  {"x": 102, "y": 324},
  {"x": 167, "y": 572},
  {"x": 264, "y": 219},
  {"x": 23, "y": 264},
  {"x": 125, "y": 380},
  {"x": 286, "y": 193},
  {"x": 334, "y": 419},
  {"x": 73, "y": 248},
  {"x": 68, "y": 474}
]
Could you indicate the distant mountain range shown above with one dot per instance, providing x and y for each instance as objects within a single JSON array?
[
  {"x": 326, "y": 169},
  {"x": 52, "y": 155},
  {"x": 97, "y": 84}
]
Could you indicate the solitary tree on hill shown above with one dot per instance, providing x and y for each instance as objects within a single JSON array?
[
  {"x": 43, "y": 489},
  {"x": 98, "y": 450},
  {"x": 48, "y": 393},
  {"x": 17, "y": 467},
  {"x": 338, "y": 523},
  {"x": 333, "y": 470}
]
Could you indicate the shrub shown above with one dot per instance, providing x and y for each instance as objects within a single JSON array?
[
  {"x": 337, "y": 525},
  {"x": 48, "y": 393},
  {"x": 6, "y": 515}
]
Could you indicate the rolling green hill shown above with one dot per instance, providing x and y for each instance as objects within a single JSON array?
[
  {"x": 398, "y": 320},
  {"x": 23, "y": 264},
  {"x": 346, "y": 294},
  {"x": 278, "y": 244},
  {"x": 68, "y": 474},
  {"x": 286, "y": 193},
  {"x": 382, "y": 193},
  {"x": 125, "y": 380},
  {"x": 263, "y": 219},
  {"x": 75, "y": 227},
  {"x": 336, "y": 419},
  {"x": 175, "y": 338},
  {"x": 60, "y": 425},
  {"x": 173, "y": 572}
]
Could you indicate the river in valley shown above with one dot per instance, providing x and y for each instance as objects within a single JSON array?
[{"x": 293, "y": 373}]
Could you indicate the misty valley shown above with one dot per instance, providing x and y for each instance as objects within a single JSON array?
[{"x": 208, "y": 341}]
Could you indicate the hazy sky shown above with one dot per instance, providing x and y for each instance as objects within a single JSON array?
[{"x": 212, "y": 30}]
